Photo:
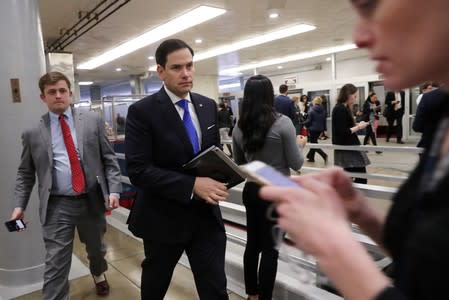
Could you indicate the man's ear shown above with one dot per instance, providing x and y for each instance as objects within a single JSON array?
[
  {"x": 160, "y": 71},
  {"x": 42, "y": 96}
]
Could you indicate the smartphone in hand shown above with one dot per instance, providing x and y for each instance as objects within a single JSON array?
[
  {"x": 15, "y": 225},
  {"x": 266, "y": 175}
]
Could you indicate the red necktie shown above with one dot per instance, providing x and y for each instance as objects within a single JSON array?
[{"x": 78, "y": 182}]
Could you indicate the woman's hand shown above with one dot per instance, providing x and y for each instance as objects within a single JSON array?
[
  {"x": 314, "y": 214},
  {"x": 301, "y": 140},
  {"x": 362, "y": 125}
]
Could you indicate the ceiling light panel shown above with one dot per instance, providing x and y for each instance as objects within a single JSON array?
[
  {"x": 190, "y": 19},
  {"x": 295, "y": 57},
  {"x": 258, "y": 40}
]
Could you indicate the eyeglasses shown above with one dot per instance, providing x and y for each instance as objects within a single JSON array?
[
  {"x": 278, "y": 235},
  {"x": 53, "y": 92}
]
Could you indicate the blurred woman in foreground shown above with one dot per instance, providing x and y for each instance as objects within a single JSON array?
[{"x": 416, "y": 231}]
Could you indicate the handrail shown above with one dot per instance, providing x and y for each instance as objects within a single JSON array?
[
  {"x": 363, "y": 175},
  {"x": 405, "y": 149}
]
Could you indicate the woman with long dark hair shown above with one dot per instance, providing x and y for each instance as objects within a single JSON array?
[
  {"x": 344, "y": 132},
  {"x": 262, "y": 134}
]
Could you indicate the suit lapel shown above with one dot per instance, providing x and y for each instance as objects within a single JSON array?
[
  {"x": 169, "y": 113},
  {"x": 79, "y": 128},
  {"x": 45, "y": 131}
]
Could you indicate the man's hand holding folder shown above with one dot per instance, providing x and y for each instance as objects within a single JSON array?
[
  {"x": 215, "y": 173},
  {"x": 210, "y": 190}
]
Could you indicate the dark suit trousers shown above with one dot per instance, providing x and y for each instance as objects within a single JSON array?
[
  {"x": 259, "y": 279},
  {"x": 390, "y": 120},
  {"x": 313, "y": 139},
  {"x": 370, "y": 135},
  {"x": 63, "y": 215},
  {"x": 206, "y": 253}
]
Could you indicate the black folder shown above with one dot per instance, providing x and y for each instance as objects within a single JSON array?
[{"x": 214, "y": 163}]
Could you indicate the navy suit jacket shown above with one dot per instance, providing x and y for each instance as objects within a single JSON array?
[
  {"x": 156, "y": 148},
  {"x": 285, "y": 106},
  {"x": 431, "y": 108}
]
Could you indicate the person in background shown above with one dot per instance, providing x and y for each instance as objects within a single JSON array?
[
  {"x": 304, "y": 105},
  {"x": 430, "y": 108},
  {"x": 316, "y": 124},
  {"x": 425, "y": 88},
  {"x": 370, "y": 109},
  {"x": 394, "y": 104},
  {"x": 224, "y": 124},
  {"x": 324, "y": 135},
  {"x": 67, "y": 150},
  {"x": 121, "y": 122},
  {"x": 344, "y": 132},
  {"x": 296, "y": 121},
  {"x": 416, "y": 229},
  {"x": 283, "y": 104},
  {"x": 175, "y": 211},
  {"x": 261, "y": 132}
]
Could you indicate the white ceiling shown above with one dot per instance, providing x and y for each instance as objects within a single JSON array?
[{"x": 244, "y": 18}]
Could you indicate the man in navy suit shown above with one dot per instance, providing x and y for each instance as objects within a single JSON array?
[
  {"x": 430, "y": 109},
  {"x": 395, "y": 103},
  {"x": 283, "y": 104},
  {"x": 175, "y": 211}
]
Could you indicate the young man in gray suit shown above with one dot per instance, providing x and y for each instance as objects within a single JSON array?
[{"x": 68, "y": 150}]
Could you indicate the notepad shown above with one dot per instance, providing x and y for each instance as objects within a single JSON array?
[{"x": 214, "y": 163}]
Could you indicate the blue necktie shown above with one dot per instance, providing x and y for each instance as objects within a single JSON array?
[{"x": 188, "y": 124}]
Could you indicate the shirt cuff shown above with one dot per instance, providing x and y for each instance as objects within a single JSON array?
[{"x": 115, "y": 194}]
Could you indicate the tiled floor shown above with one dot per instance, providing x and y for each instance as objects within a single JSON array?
[{"x": 124, "y": 257}]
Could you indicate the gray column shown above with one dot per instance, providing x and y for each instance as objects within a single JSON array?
[
  {"x": 22, "y": 59},
  {"x": 137, "y": 86}
]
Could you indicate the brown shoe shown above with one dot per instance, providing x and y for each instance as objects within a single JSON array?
[{"x": 102, "y": 287}]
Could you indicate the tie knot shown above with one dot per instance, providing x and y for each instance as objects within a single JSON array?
[
  {"x": 61, "y": 116},
  {"x": 183, "y": 103}
]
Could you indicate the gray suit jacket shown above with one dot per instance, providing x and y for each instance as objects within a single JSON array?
[{"x": 97, "y": 159}]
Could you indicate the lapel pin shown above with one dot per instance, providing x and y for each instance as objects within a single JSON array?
[{"x": 201, "y": 105}]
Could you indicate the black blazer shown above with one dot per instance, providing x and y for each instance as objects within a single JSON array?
[
  {"x": 156, "y": 148},
  {"x": 342, "y": 121},
  {"x": 390, "y": 112},
  {"x": 416, "y": 234}
]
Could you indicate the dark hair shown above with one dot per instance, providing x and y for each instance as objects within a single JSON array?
[
  {"x": 52, "y": 78},
  {"x": 283, "y": 88},
  {"x": 167, "y": 47},
  {"x": 302, "y": 98},
  {"x": 221, "y": 105},
  {"x": 370, "y": 94},
  {"x": 257, "y": 112},
  {"x": 346, "y": 91}
]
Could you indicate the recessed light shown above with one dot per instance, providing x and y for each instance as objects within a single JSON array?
[
  {"x": 150, "y": 57},
  {"x": 279, "y": 67},
  {"x": 198, "y": 41},
  {"x": 118, "y": 69},
  {"x": 187, "y": 20},
  {"x": 273, "y": 15},
  {"x": 328, "y": 59}
]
